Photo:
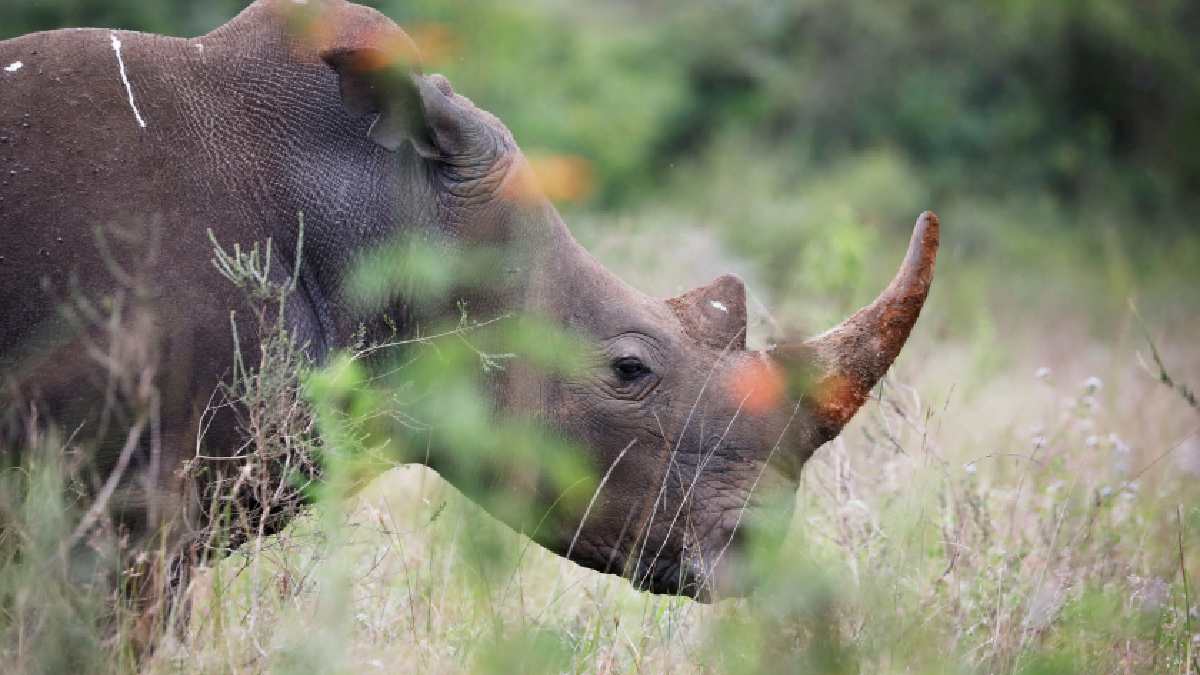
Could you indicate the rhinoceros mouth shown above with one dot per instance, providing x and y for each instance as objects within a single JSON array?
[{"x": 687, "y": 579}]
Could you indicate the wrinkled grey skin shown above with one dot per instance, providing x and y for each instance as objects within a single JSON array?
[{"x": 241, "y": 130}]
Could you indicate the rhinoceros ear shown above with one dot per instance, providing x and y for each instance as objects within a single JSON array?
[
  {"x": 377, "y": 82},
  {"x": 409, "y": 106},
  {"x": 714, "y": 315}
]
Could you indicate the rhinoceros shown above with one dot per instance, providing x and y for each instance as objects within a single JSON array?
[{"x": 114, "y": 141}]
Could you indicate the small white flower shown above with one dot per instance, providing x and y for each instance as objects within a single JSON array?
[
  {"x": 1042, "y": 373},
  {"x": 1093, "y": 384},
  {"x": 1119, "y": 446},
  {"x": 970, "y": 468}
]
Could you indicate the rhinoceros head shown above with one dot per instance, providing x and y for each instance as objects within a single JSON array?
[
  {"x": 693, "y": 436},
  {"x": 702, "y": 440}
]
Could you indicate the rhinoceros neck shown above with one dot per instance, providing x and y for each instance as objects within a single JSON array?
[
  {"x": 275, "y": 142},
  {"x": 568, "y": 285}
]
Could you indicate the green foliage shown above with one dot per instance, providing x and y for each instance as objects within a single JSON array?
[
  {"x": 984, "y": 97},
  {"x": 58, "y": 610},
  {"x": 432, "y": 406}
]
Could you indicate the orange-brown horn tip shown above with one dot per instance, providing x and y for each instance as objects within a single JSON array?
[
  {"x": 923, "y": 247},
  {"x": 855, "y": 355}
]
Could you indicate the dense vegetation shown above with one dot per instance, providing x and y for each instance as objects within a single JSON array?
[{"x": 978, "y": 518}]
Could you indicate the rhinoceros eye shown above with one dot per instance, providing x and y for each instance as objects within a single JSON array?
[{"x": 630, "y": 368}]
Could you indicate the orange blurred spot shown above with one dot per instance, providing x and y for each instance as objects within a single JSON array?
[
  {"x": 390, "y": 48},
  {"x": 758, "y": 383},
  {"x": 314, "y": 28},
  {"x": 522, "y": 186},
  {"x": 438, "y": 44},
  {"x": 319, "y": 27},
  {"x": 561, "y": 178}
]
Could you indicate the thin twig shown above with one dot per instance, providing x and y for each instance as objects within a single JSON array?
[
  {"x": 93, "y": 514},
  {"x": 1184, "y": 391}
]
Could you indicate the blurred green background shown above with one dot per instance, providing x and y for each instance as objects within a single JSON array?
[{"x": 1059, "y": 141}]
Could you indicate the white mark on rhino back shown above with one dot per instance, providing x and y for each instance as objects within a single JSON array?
[
  {"x": 717, "y": 304},
  {"x": 14, "y": 67},
  {"x": 116, "y": 45}
]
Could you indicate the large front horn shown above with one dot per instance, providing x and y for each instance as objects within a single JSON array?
[{"x": 836, "y": 370}]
